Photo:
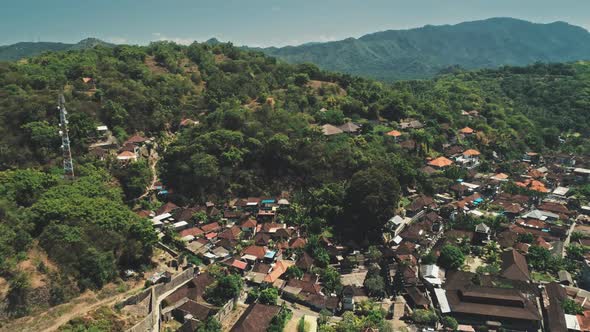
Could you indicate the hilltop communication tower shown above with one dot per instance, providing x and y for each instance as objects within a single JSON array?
[{"x": 65, "y": 138}]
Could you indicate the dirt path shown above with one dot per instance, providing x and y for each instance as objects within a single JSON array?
[
  {"x": 57, "y": 316},
  {"x": 153, "y": 161}
]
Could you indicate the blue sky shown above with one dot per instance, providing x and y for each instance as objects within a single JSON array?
[{"x": 257, "y": 22}]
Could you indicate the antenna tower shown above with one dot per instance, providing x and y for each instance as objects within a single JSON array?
[{"x": 65, "y": 138}]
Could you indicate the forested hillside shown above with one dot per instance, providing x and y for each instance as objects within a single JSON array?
[
  {"x": 424, "y": 52},
  {"x": 258, "y": 133},
  {"x": 28, "y": 49}
]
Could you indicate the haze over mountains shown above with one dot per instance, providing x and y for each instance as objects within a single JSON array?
[
  {"x": 423, "y": 52},
  {"x": 27, "y": 49},
  {"x": 413, "y": 53}
]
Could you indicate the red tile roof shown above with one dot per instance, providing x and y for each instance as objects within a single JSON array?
[
  {"x": 255, "y": 251},
  {"x": 250, "y": 223},
  {"x": 210, "y": 227},
  {"x": 194, "y": 231}
]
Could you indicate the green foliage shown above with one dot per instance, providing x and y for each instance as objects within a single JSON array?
[
  {"x": 571, "y": 307},
  {"x": 268, "y": 296},
  {"x": 374, "y": 282},
  {"x": 539, "y": 258},
  {"x": 210, "y": 325},
  {"x": 83, "y": 226},
  {"x": 293, "y": 272},
  {"x": 226, "y": 288},
  {"x": 134, "y": 177},
  {"x": 278, "y": 322},
  {"x": 425, "y": 317},
  {"x": 371, "y": 199},
  {"x": 451, "y": 257},
  {"x": 331, "y": 280},
  {"x": 429, "y": 258},
  {"x": 450, "y": 323},
  {"x": 526, "y": 238},
  {"x": 426, "y": 52}
]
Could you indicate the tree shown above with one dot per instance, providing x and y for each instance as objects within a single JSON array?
[
  {"x": 374, "y": 254},
  {"x": 526, "y": 238},
  {"x": 451, "y": 257},
  {"x": 429, "y": 258},
  {"x": 425, "y": 317},
  {"x": 450, "y": 323},
  {"x": 538, "y": 258},
  {"x": 227, "y": 287},
  {"x": 571, "y": 307},
  {"x": 331, "y": 281},
  {"x": 371, "y": 199},
  {"x": 20, "y": 286},
  {"x": 293, "y": 272},
  {"x": 268, "y": 296},
  {"x": 210, "y": 325}
]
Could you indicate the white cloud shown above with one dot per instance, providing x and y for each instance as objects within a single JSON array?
[
  {"x": 117, "y": 40},
  {"x": 178, "y": 40}
]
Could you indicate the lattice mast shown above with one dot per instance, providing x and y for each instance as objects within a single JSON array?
[{"x": 65, "y": 138}]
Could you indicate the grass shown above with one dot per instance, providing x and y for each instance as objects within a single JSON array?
[{"x": 545, "y": 277}]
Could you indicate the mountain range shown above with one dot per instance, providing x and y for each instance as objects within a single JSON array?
[
  {"x": 28, "y": 49},
  {"x": 424, "y": 52},
  {"x": 414, "y": 53}
]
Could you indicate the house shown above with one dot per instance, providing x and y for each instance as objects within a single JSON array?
[
  {"x": 351, "y": 295},
  {"x": 395, "y": 134},
  {"x": 482, "y": 232},
  {"x": 305, "y": 262},
  {"x": 211, "y": 227},
  {"x": 514, "y": 266},
  {"x": 419, "y": 204},
  {"x": 329, "y": 130},
  {"x": 249, "y": 226},
  {"x": 127, "y": 156},
  {"x": 565, "y": 278},
  {"x": 257, "y": 317},
  {"x": 193, "y": 310},
  {"x": 253, "y": 253},
  {"x": 466, "y": 131},
  {"x": 552, "y": 297},
  {"x": 469, "y": 158},
  {"x": 440, "y": 162},
  {"x": 278, "y": 269},
  {"x": 411, "y": 124},
  {"x": 473, "y": 304},
  {"x": 350, "y": 128}
]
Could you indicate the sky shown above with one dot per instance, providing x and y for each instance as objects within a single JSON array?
[{"x": 257, "y": 22}]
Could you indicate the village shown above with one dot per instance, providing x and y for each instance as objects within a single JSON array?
[{"x": 469, "y": 253}]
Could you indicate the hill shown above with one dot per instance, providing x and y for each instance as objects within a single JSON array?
[
  {"x": 28, "y": 49},
  {"x": 255, "y": 132},
  {"x": 424, "y": 52}
]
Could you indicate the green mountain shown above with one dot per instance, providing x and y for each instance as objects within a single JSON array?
[
  {"x": 28, "y": 49},
  {"x": 426, "y": 51}
]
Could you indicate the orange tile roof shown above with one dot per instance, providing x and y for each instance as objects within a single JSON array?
[
  {"x": 471, "y": 152},
  {"x": 533, "y": 185},
  {"x": 466, "y": 130},
  {"x": 278, "y": 270},
  {"x": 440, "y": 162},
  {"x": 501, "y": 176},
  {"x": 394, "y": 133},
  {"x": 128, "y": 154}
]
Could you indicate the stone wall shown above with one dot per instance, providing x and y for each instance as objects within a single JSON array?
[{"x": 154, "y": 293}]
